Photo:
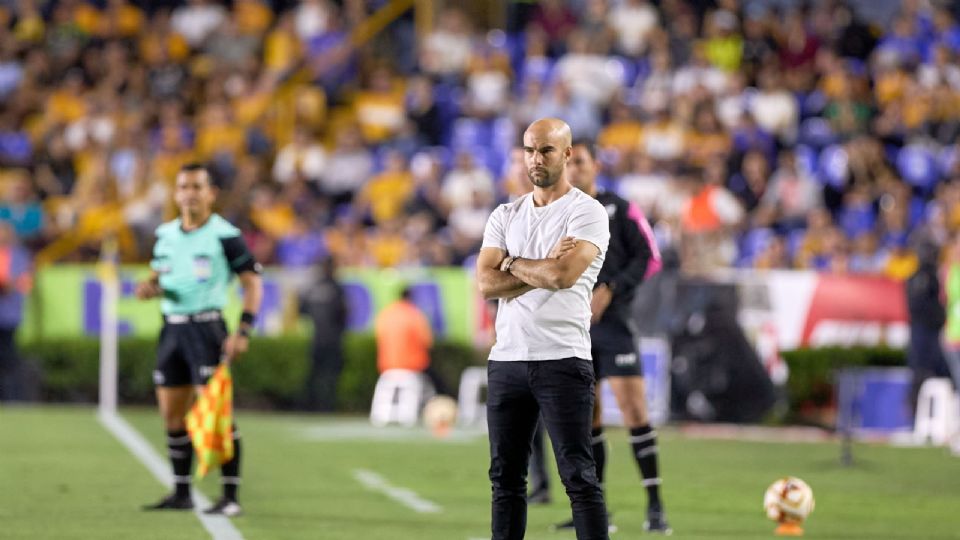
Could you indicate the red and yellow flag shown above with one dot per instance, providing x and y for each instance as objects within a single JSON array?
[{"x": 210, "y": 422}]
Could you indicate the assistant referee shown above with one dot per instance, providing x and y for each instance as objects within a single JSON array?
[{"x": 194, "y": 259}]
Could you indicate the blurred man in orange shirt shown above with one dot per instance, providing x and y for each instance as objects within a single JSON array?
[{"x": 404, "y": 339}]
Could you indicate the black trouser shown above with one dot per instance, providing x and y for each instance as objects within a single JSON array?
[
  {"x": 9, "y": 366},
  {"x": 563, "y": 392},
  {"x": 325, "y": 367},
  {"x": 539, "y": 476}
]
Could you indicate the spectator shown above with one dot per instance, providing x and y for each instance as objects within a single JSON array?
[
  {"x": 303, "y": 158},
  {"x": 463, "y": 181},
  {"x": 582, "y": 115},
  {"x": 927, "y": 317},
  {"x": 380, "y": 106},
  {"x": 633, "y": 21},
  {"x": 791, "y": 193},
  {"x": 324, "y": 301},
  {"x": 384, "y": 197},
  {"x": 446, "y": 51},
  {"x": 774, "y": 108},
  {"x": 20, "y": 208},
  {"x": 423, "y": 110},
  {"x": 487, "y": 83},
  {"x": 585, "y": 71},
  {"x": 196, "y": 20},
  {"x": 350, "y": 164},
  {"x": 556, "y": 20},
  {"x": 750, "y": 183},
  {"x": 16, "y": 280}
]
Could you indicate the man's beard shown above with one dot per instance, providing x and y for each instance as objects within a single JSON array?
[{"x": 546, "y": 181}]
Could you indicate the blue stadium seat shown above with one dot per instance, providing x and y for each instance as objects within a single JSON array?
[
  {"x": 504, "y": 135},
  {"x": 467, "y": 133},
  {"x": 812, "y": 104},
  {"x": 917, "y": 165},
  {"x": 806, "y": 158},
  {"x": 832, "y": 166},
  {"x": 752, "y": 243},
  {"x": 947, "y": 159},
  {"x": 623, "y": 68},
  {"x": 794, "y": 241},
  {"x": 817, "y": 132}
]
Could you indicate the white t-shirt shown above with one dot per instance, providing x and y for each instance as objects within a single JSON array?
[{"x": 547, "y": 324}]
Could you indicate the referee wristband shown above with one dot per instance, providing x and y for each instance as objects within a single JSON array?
[{"x": 247, "y": 320}]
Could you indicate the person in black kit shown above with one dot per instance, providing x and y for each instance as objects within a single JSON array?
[
  {"x": 927, "y": 317},
  {"x": 614, "y": 342},
  {"x": 325, "y": 303}
]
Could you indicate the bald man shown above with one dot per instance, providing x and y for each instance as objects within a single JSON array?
[{"x": 540, "y": 258}]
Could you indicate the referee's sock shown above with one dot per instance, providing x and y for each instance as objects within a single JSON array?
[
  {"x": 643, "y": 439},
  {"x": 180, "y": 451},
  {"x": 230, "y": 471},
  {"x": 598, "y": 441}
]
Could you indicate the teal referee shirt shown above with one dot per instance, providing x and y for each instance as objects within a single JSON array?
[{"x": 195, "y": 267}]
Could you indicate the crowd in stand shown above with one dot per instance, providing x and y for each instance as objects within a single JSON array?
[{"x": 751, "y": 136}]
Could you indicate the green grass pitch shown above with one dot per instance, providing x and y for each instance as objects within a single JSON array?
[{"x": 63, "y": 476}]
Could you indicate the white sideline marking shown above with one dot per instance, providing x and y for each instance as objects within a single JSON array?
[
  {"x": 219, "y": 527},
  {"x": 404, "y": 496}
]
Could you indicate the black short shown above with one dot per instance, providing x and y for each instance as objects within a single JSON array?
[
  {"x": 614, "y": 352},
  {"x": 189, "y": 352},
  {"x": 622, "y": 364}
]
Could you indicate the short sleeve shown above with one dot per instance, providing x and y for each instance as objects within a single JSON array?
[
  {"x": 590, "y": 222},
  {"x": 494, "y": 235},
  {"x": 238, "y": 256}
]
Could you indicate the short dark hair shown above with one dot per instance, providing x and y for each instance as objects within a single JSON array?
[
  {"x": 589, "y": 145},
  {"x": 196, "y": 166}
]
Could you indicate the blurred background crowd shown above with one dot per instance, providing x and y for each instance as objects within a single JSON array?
[{"x": 761, "y": 135}]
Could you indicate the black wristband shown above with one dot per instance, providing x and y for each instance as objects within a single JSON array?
[{"x": 248, "y": 318}]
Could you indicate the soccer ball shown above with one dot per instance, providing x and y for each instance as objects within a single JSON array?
[
  {"x": 439, "y": 414},
  {"x": 788, "y": 499}
]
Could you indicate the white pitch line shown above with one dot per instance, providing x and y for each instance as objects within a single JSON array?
[
  {"x": 404, "y": 496},
  {"x": 219, "y": 527}
]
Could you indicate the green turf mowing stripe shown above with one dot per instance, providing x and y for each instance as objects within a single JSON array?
[{"x": 63, "y": 477}]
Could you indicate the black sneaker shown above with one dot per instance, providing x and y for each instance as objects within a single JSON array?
[
  {"x": 171, "y": 502},
  {"x": 225, "y": 507},
  {"x": 569, "y": 526},
  {"x": 539, "y": 496},
  {"x": 657, "y": 522}
]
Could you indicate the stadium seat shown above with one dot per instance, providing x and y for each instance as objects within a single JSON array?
[
  {"x": 817, "y": 132},
  {"x": 937, "y": 409},
  {"x": 623, "y": 69},
  {"x": 833, "y": 166},
  {"x": 469, "y": 133},
  {"x": 918, "y": 166},
  {"x": 752, "y": 244},
  {"x": 812, "y": 104},
  {"x": 398, "y": 397},
  {"x": 947, "y": 159},
  {"x": 472, "y": 409},
  {"x": 806, "y": 158}
]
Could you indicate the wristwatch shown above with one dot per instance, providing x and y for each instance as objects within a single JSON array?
[{"x": 507, "y": 263}]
